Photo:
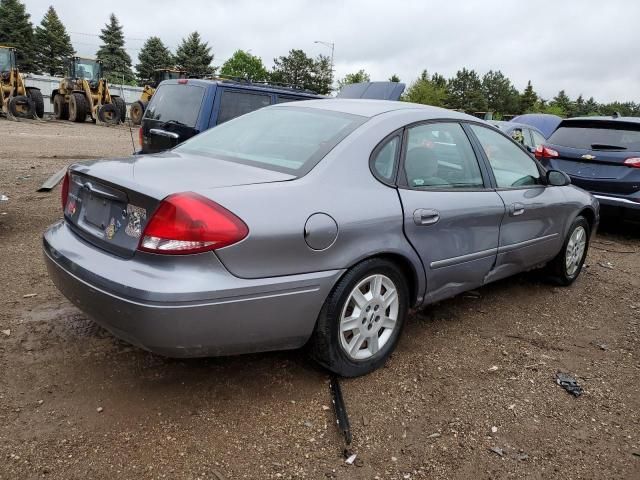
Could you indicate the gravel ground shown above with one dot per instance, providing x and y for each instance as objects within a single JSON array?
[{"x": 471, "y": 374}]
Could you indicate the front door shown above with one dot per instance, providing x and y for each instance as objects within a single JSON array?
[
  {"x": 452, "y": 216},
  {"x": 531, "y": 232}
]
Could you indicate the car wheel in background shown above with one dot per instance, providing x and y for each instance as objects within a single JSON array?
[
  {"x": 567, "y": 265},
  {"x": 361, "y": 320}
]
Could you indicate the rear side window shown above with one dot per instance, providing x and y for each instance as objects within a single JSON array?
[
  {"x": 439, "y": 155},
  {"x": 284, "y": 139},
  {"x": 234, "y": 103},
  {"x": 180, "y": 103},
  {"x": 384, "y": 160},
  {"x": 597, "y": 135}
]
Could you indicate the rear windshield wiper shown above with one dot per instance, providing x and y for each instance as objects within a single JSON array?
[{"x": 604, "y": 146}]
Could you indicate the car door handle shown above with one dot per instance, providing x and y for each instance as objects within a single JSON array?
[
  {"x": 164, "y": 133},
  {"x": 426, "y": 216},
  {"x": 516, "y": 209}
]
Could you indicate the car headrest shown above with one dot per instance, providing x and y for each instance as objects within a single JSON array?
[{"x": 421, "y": 162}]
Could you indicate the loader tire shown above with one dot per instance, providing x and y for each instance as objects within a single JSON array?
[
  {"x": 109, "y": 114},
  {"x": 60, "y": 108},
  {"x": 38, "y": 103},
  {"x": 21, "y": 106},
  {"x": 77, "y": 107},
  {"x": 121, "y": 106},
  {"x": 137, "y": 111}
]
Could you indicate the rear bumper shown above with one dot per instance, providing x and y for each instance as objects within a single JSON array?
[
  {"x": 631, "y": 202},
  {"x": 188, "y": 306}
]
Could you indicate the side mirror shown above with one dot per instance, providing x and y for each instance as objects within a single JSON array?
[{"x": 556, "y": 178}]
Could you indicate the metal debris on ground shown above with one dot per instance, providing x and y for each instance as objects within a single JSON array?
[
  {"x": 342, "y": 420},
  {"x": 607, "y": 265},
  {"x": 351, "y": 459},
  {"x": 569, "y": 383},
  {"x": 4, "y": 198},
  {"x": 498, "y": 451},
  {"x": 7, "y": 332},
  {"x": 30, "y": 295}
]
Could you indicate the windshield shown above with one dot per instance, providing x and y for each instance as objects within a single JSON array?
[
  {"x": 290, "y": 140},
  {"x": 594, "y": 135},
  {"x": 5, "y": 59},
  {"x": 176, "y": 102},
  {"x": 87, "y": 70}
]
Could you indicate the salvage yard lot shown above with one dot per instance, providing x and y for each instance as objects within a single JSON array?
[{"x": 76, "y": 403}]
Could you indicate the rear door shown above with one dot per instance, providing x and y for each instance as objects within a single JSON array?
[
  {"x": 593, "y": 153},
  {"x": 531, "y": 231},
  {"x": 452, "y": 215},
  {"x": 172, "y": 115}
]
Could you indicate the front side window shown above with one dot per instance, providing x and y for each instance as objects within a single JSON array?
[
  {"x": 285, "y": 139},
  {"x": 439, "y": 155},
  {"x": 5, "y": 59},
  {"x": 234, "y": 103},
  {"x": 511, "y": 166}
]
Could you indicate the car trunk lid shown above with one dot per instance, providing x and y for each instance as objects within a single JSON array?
[{"x": 111, "y": 201}]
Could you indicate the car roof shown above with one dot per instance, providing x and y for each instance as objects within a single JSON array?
[
  {"x": 371, "y": 108},
  {"x": 508, "y": 126},
  {"x": 263, "y": 87},
  {"x": 600, "y": 118}
]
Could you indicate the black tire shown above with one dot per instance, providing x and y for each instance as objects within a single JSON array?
[
  {"x": 38, "y": 102},
  {"x": 77, "y": 107},
  {"x": 137, "y": 111},
  {"x": 60, "y": 108},
  {"x": 109, "y": 114},
  {"x": 21, "y": 106},
  {"x": 558, "y": 270},
  {"x": 121, "y": 106},
  {"x": 326, "y": 344}
]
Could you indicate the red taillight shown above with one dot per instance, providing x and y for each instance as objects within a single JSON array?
[
  {"x": 182, "y": 81},
  {"x": 189, "y": 223},
  {"x": 633, "y": 162},
  {"x": 140, "y": 136},
  {"x": 64, "y": 191},
  {"x": 545, "y": 152}
]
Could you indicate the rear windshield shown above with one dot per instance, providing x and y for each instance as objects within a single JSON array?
[
  {"x": 597, "y": 135},
  {"x": 285, "y": 139},
  {"x": 177, "y": 102}
]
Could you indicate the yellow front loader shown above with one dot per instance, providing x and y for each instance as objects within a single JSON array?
[
  {"x": 138, "y": 107},
  {"x": 18, "y": 100},
  {"x": 85, "y": 92}
]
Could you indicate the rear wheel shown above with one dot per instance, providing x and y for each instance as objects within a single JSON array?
[
  {"x": 109, "y": 114},
  {"x": 567, "y": 265},
  {"x": 60, "y": 108},
  {"x": 21, "y": 106},
  {"x": 136, "y": 112},
  {"x": 38, "y": 103},
  {"x": 362, "y": 318},
  {"x": 77, "y": 107},
  {"x": 121, "y": 106}
]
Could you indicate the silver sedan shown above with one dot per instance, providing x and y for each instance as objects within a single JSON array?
[{"x": 320, "y": 223}]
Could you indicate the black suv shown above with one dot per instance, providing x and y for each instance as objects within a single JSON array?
[
  {"x": 182, "y": 108},
  {"x": 601, "y": 155}
]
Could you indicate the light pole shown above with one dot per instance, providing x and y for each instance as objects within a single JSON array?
[{"x": 332, "y": 46}]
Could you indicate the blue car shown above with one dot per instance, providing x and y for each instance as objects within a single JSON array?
[
  {"x": 183, "y": 108},
  {"x": 601, "y": 155}
]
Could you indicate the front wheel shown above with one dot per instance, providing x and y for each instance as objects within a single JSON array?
[
  {"x": 567, "y": 265},
  {"x": 136, "y": 112},
  {"x": 361, "y": 320}
]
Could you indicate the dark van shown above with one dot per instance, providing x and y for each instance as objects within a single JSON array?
[{"x": 183, "y": 108}]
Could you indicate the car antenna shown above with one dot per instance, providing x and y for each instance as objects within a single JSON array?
[{"x": 133, "y": 144}]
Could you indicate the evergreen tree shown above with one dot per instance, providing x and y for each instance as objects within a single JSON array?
[
  {"x": 424, "y": 90},
  {"x": 464, "y": 92},
  {"x": 154, "y": 55},
  {"x": 52, "y": 45},
  {"x": 528, "y": 99},
  {"x": 357, "y": 77},
  {"x": 194, "y": 56},
  {"x": 303, "y": 71},
  {"x": 16, "y": 31},
  {"x": 243, "y": 64},
  {"x": 439, "y": 80},
  {"x": 579, "y": 107},
  {"x": 394, "y": 78},
  {"x": 502, "y": 97},
  {"x": 116, "y": 62},
  {"x": 591, "y": 107},
  {"x": 562, "y": 103}
]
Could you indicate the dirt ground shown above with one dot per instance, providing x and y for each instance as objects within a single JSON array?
[{"x": 471, "y": 374}]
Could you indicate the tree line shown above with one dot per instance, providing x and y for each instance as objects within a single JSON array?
[{"x": 45, "y": 48}]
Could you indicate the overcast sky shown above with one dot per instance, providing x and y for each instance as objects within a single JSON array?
[{"x": 584, "y": 46}]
